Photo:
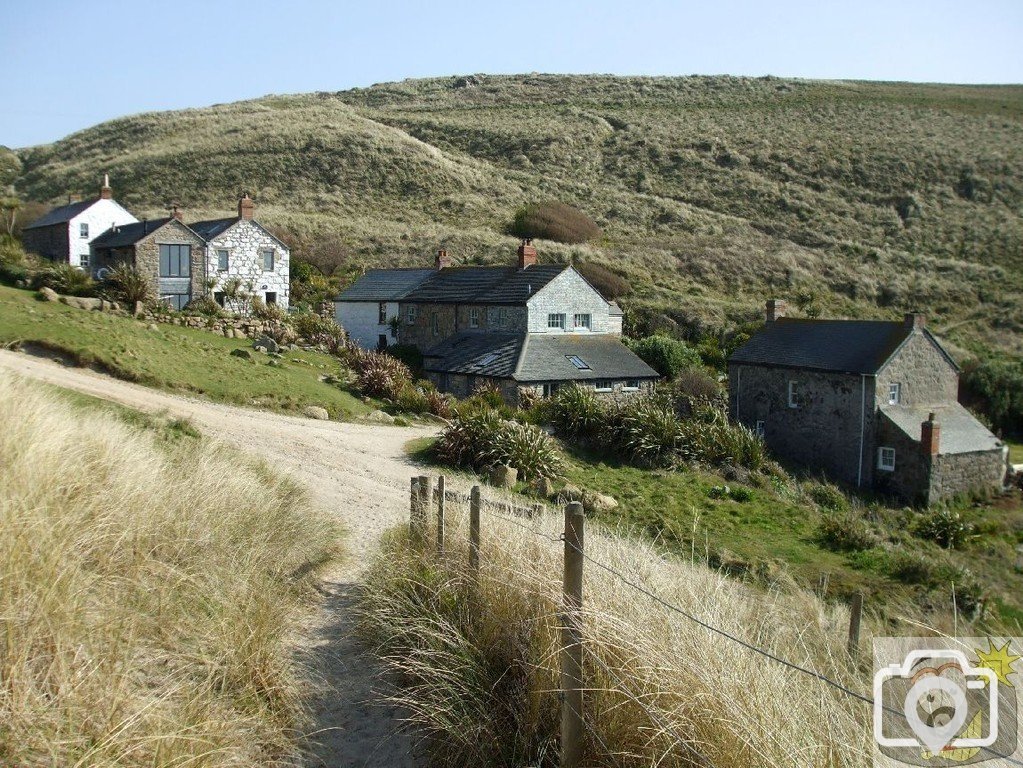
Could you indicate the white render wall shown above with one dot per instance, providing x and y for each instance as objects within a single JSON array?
[
  {"x": 100, "y": 216},
  {"x": 246, "y": 242},
  {"x": 570, "y": 294},
  {"x": 359, "y": 319}
]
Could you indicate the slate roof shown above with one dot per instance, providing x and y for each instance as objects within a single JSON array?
[
  {"x": 484, "y": 285},
  {"x": 845, "y": 346},
  {"x": 208, "y": 230},
  {"x": 960, "y": 431},
  {"x": 384, "y": 284},
  {"x": 61, "y": 215},
  {"x": 128, "y": 234},
  {"x": 537, "y": 357}
]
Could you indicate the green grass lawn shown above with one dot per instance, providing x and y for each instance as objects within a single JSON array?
[
  {"x": 175, "y": 358},
  {"x": 1015, "y": 451}
]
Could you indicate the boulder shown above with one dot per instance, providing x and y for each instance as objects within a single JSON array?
[
  {"x": 503, "y": 476},
  {"x": 140, "y": 308},
  {"x": 598, "y": 502},
  {"x": 266, "y": 344},
  {"x": 316, "y": 412},
  {"x": 569, "y": 493},
  {"x": 49, "y": 294},
  {"x": 736, "y": 474},
  {"x": 242, "y": 353},
  {"x": 153, "y": 327},
  {"x": 82, "y": 302},
  {"x": 544, "y": 487},
  {"x": 379, "y": 417}
]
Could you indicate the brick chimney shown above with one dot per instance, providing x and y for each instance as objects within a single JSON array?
[
  {"x": 775, "y": 308},
  {"x": 930, "y": 436},
  {"x": 177, "y": 213},
  {"x": 443, "y": 260},
  {"x": 105, "y": 192},
  {"x": 527, "y": 254},
  {"x": 914, "y": 320},
  {"x": 246, "y": 207}
]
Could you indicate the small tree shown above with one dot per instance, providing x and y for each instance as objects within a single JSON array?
[
  {"x": 9, "y": 207},
  {"x": 668, "y": 356}
]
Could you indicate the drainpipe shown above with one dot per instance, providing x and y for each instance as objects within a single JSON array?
[{"x": 863, "y": 419}]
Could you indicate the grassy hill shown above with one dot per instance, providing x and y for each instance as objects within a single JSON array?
[{"x": 850, "y": 198}]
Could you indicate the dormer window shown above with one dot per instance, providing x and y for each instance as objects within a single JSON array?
[{"x": 894, "y": 393}]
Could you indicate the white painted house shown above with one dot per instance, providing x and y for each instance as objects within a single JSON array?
[
  {"x": 65, "y": 234},
  {"x": 367, "y": 309},
  {"x": 239, "y": 247}
]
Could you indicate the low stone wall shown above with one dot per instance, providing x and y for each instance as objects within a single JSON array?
[
  {"x": 965, "y": 473},
  {"x": 231, "y": 327}
]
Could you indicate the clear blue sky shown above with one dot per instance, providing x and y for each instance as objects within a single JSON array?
[{"x": 69, "y": 64}]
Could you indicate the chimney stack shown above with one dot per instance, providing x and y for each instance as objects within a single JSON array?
[
  {"x": 930, "y": 436},
  {"x": 246, "y": 207},
  {"x": 443, "y": 260},
  {"x": 914, "y": 320},
  {"x": 775, "y": 308},
  {"x": 527, "y": 254},
  {"x": 105, "y": 192},
  {"x": 177, "y": 213}
]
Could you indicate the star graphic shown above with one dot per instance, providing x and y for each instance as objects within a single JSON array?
[{"x": 999, "y": 661}]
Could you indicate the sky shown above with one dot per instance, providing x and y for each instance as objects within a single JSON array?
[{"x": 70, "y": 64}]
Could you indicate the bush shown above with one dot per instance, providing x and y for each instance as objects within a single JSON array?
[
  {"x": 828, "y": 496},
  {"x": 481, "y": 440},
  {"x": 845, "y": 532},
  {"x": 668, "y": 356},
  {"x": 648, "y": 434},
  {"x": 693, "y": 386},
  {"x": 205, "y": 306},
  {"x": 944, "y": 527},
  {"x": 271, "y": 312},
  {"x": 129, "y": 286},
  {"x": 319, "y": 330},
  {"x": 65, "y": 280},
  {"x": 996, "y": 388},
  {"x": 554, "y": 221},
  {"x": 409, "y": 354},
  {"x": 575, "y": 413},
  {"x": 608, "y": 284}
]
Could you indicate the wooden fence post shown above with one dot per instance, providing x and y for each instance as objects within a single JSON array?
[
  {"x": 440, "y": 515},
  {"x": 474, "y": 532},
  {"x": 571, "y": 641},
  {"x": 855, "y": 612},
  {"x": 413, "y": 507}
]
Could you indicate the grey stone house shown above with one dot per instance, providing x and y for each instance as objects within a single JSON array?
[
  {"x": 528, "y": 327},
  {"x": 872, "y": 404}
]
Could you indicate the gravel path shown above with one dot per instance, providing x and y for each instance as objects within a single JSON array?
[{"x": 358, "y": 472}]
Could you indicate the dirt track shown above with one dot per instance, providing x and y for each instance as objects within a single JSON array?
[{"x": 358, "y": 472}]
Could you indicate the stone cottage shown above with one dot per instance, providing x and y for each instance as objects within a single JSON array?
[
  {"x": 528, "y": 327},
  {"x": 872, "y": 404},
  {"x": 65, "y": 234},
  {"x": 368, "y": 309}
]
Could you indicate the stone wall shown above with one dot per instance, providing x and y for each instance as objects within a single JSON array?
[
  {"x": 924, "y": 374},
  {"x": 834, "y": 417},
  {"x": 965, "y": 473},
  {"x": 420, "y": 332},
  {"x": 245, "y": 242},
  {"x": 909, "y": 480},
  {"x": 147, "y": 255},
  {"x": 49, "y": 242}
]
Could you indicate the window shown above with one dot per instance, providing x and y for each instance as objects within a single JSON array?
[
  {"x": 83, "y": 261},
  {"x": 434, "y": 324},
  {"x": 268, "y": 261},
  {"x": 631, "y": 385},
  {"x": 83, "y": 231},
  {"x": 176, "y": 301},
  {"x": 271, "y": 297},
  {"x": 550, "y": 389},
  {"x": 578, "y": 362},
  {"x": 886, "y": 459},
  {"x": 410, "y": 314},
  {"x": 223, "y": 257},
  {"x": 582, "y": 321},
  {"x": 474, "y": 317},
  {"x": 760, "y": 429},
  {"x": 486, "y": 360},
  {"x": 175, "y": 260},
  {"x": 894, "y": 393},
  {"x": 555, "y": 320},
  {"x": 382, "y": 313},
  {"x": 793, "y": 394},
  {"x": 603, "y": 385}
]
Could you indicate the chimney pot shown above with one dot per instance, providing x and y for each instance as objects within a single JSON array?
[
  {"x": 775, "y": 308},
  {"x": 443, "y": 261},
  {"x": 930, "y": 436},
  {"x": 246, "y": 207},
  {"x": 527, "y": 253},
  {"x": 914, "y": 320},
  {"x": 105, "y": 192},
  {"x": 177, "y": 213}
]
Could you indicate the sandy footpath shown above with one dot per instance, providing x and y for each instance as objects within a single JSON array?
[{"x": 358, "y": 472}]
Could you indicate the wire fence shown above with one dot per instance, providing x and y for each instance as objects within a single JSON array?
[{"x": 517, "y": 518}]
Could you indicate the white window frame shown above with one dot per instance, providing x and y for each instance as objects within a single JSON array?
[
  {"x": 474, "y": 317},
  {"x": 227, "y": 259},
  {"x": 83, "y": 230},
  {"x": 894, "y": 393},
  {"x": 886, "y": 459},
  {"x": 556, "y": 320},
  {"x": 760, "y": 429},
  {"x": 273, "y": 259},
  {"x": 588, "y": 320},
  {"x": 83, "y": 261},
  {"x": 381, "y": 313},
  {"x": 793, "y": 393},
  {"x": 630, "y": 385},
  {"x": 410, "y": 314},
  {"x": 578, "y": 362},
  {"x": 603, "y": 385}
]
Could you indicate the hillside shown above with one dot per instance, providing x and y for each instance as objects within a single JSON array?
[{"x": 850, "y": 198}]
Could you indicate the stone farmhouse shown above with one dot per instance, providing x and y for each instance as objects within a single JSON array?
[
  {"x": 872, "y": 404},
  {"x": 525, "y": 328},
  {"x": 65, "y": 234},
  {"x": 189, "y": 261}
]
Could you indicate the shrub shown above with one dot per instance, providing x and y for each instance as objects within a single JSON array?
[
  {"x": 943, "y": 526},
  {"x": 740, "y": 494},
  {"x": 319, "y": 330},
  {"x": 693, "y": 386},
  {"x": 648, "y": 434},
  {"x": 828, "y": 496},
  {"x": 996, "y": 387},
  {"x": 409, "y": 354},
  {"x": 411, "y": 399},
  {"x": 845, "y": 532},
  {"x": 204, "y": 305},
  {"x": 575, "y": 412},
  {"x": 668, "y": 356},
  {"x": 554, "y": 221},
  {"x": 66, "y": 280},
  {"x": 271, "y": 312},
  {"x": 608, "y": 284},
  {"x": 130, "y": 286},
  {"x": 482, "y": 439}
]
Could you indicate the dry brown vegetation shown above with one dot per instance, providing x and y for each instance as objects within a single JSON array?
[{"x": 148, "y": 586}]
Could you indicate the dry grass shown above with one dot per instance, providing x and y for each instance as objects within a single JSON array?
[
  {"x": 480, "y": 670},
  {"x": 146, "y": 589}
]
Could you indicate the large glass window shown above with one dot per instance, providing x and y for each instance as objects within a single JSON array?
[{"x": 175, "y": 260}]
